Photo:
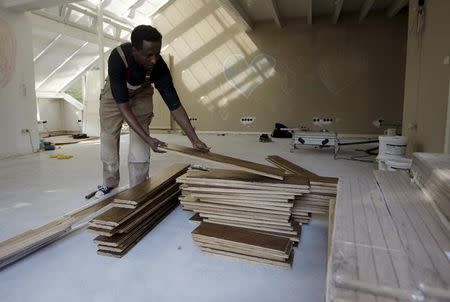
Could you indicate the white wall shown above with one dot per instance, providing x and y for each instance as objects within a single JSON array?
[
  {"x": 59, "y": 114},
  {"x": 17, "y": 93},
  {"x": 427, "y": 78},
  {"x": 351, "y": 72},
  {"x": 50, "y": 111}
]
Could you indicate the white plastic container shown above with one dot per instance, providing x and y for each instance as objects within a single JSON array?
[
  {"x": 399, "y": 164},
  {"x": 392, "y": 146}
]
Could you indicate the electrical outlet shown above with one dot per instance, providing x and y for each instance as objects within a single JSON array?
[
  {"x": 322, "y": 120},
  {"x": 193, "y": 119},
  {"x": 247, "y": 120},
  {"x": 25, "y": 130}
]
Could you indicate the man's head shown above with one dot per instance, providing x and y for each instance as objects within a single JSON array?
[{"x": 146, "y": 45}]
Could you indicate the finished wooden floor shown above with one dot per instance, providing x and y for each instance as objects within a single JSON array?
[{"x": 388, "y": 242}]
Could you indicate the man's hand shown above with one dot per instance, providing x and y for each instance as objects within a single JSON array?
[
  {"x": 155, "y": 144},
  {"x": 201, "y": 146}
]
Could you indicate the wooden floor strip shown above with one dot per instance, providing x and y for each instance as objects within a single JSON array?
[{"x": 214, "y": 157}]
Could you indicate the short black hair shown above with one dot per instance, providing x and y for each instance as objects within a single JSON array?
[{"x": 144, "y": 32}]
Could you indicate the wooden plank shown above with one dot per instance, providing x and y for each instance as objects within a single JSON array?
[
  {"x": 171, "y": 198},
  {"x": 116, "y": 216},
  {"x": 424, "y": 237},
  {"x": 244, "y": 177},
  {"x": 285, "y": 212},
  {"x": 293, "y": 235},
  {"x": 243, "y": 237},
  {"x": 119, "y": 240},
  {"x": 244, "y": 218},
  {"x": 219, "y": 184},
  {"x": 150, "y": 187},
  {"x": 295, "y": 169},
  {"x": 244, "y": 251},
  {"x": 17, "y": 247},
  {"x": 245, "y": 197},
  {"x": 286, "y": 264},
  {"x": 126, "y": 249},
  {"x": 291, "y": 229},
  {"x": 286, "y": 207},
  {"x": 241, "y": 164},
  {"x": 256, "y": 193}
]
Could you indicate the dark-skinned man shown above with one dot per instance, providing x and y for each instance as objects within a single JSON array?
[{"x": 128, "y": 95}]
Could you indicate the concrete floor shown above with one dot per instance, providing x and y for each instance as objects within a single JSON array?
[{"x": 165, "y": 265}]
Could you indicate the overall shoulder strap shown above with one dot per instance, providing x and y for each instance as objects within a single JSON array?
[{"x": 122, "y": 55}]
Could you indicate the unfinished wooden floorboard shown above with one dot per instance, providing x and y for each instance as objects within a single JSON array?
[
  {"x": 150, "y": 187},
  {"x": 286, "y": 264},
  {"x": 244, "y": 251},
  {"x": 243, "y": 237},
  {"x": 25, "y": 243},
  {"x": 217, "y": 184},
  {"x": 261, "y": 225},
  {"x": 170, "y": 198},
  {"x": 293, "y": 235},
  {"x": 245, "y": 208},
  {"x": 242, "y": 214},
  {"x": 281, "y": 207},
  {"x": 425, "y": 238},
  {"x": 116, "y": 216},
  {"x": 244, "y": 177},
  {"x": 343, "y": 255},
  {"x": 242, "y": 197},
  {"x": 117, "y": 240},
  {"x": 241, "y": 164},
  {"x": 295, "y": 169},
  {"x": 125, "y": 248},
  {"x": 243, "y": 218},
  {"x": 255, "y": 193}
]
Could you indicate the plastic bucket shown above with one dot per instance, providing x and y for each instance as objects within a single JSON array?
[
  {"x": 392, "y": 146},
  {"x": 399, "y": 164}
]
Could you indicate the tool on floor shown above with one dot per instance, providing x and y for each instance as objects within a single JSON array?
[
  {"x": 199, "y": 167},
  {"x": 264, "y": 138},
  {"x": 60, "y": 156},
  {"x": 90, "y": 195}
]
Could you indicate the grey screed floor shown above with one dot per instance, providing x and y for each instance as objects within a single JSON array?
[{"x": 166, "y": 265}]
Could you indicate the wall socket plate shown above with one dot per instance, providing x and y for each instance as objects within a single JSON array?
[
  {"x": 247, "y": 120},
  {"x": 193, "y": 119},
  {"x": 322, "y": 120}
]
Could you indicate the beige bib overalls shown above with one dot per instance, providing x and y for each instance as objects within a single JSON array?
[{"x": 111, "y": 119}]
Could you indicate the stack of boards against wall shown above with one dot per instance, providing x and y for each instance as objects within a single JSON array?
[
  {"x": 432, "y": 173},
  {"x": 243, "y": 199},
  {"x": 136, "y": 212},
  {"x": 322, "y": 190}
]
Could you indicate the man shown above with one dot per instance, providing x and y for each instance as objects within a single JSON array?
[{"x": 127, "y": 95}]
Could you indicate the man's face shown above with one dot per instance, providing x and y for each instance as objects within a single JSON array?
[{"x": 148, "y": 55}]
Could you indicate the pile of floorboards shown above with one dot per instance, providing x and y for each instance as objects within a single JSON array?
[
  {"x": 136, "y": 212},
  {"x": 244, "y": 244},
  {"x": 322, "y": 190},
  {"x": 432, "y": 173},
  {"x": 243, "y": 199}
]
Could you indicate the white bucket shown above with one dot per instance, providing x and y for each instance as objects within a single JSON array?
[
  {"x": 399, "y": 164},
  {"x": 392, "y": 146}
]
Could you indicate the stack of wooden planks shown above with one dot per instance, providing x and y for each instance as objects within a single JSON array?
[
  {"x": 18, "y": 247},
  {"x": 243, "y": 199},
  {"x": 432, "y": 173},
  {"x": 244, "y": 244},
  {"x": 322, "y": 190},
  {"x": 136, "y": 212}
]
